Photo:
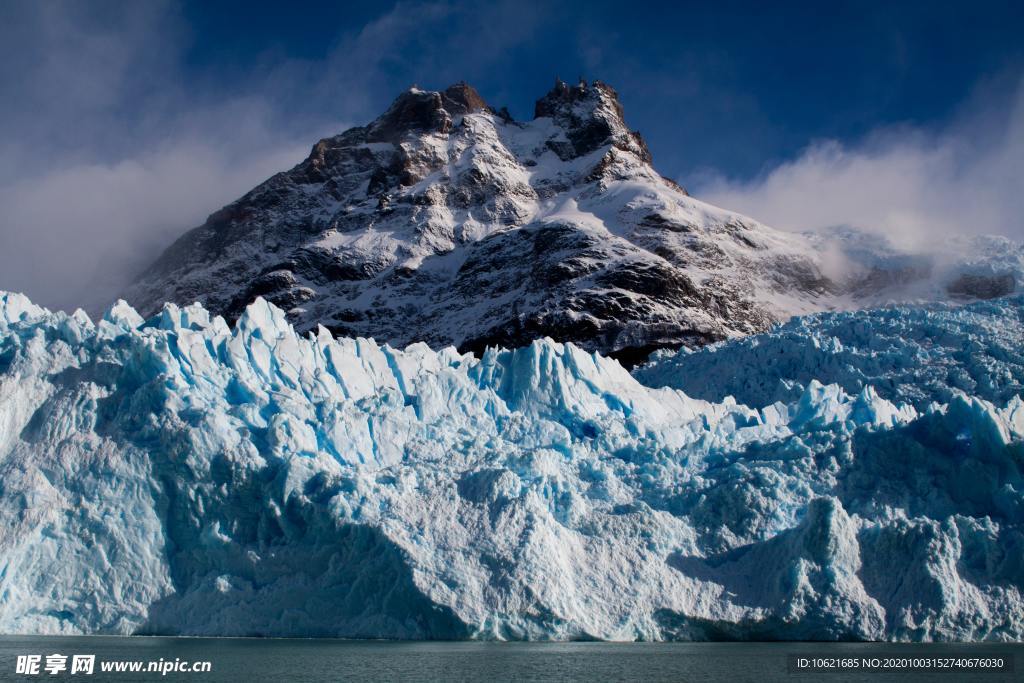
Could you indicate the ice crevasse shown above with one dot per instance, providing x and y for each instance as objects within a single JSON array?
[{"x": 179, "y": 476}]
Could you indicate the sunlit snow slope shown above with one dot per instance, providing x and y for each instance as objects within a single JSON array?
[{"x": 178, "y": 476}]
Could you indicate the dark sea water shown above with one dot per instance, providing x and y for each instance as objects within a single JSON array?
[{"x": 254, "y": 660}]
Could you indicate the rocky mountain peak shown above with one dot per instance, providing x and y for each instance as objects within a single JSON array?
[
  {"x": 462, "y": 98},
  {"x": 563, "y": 98},
  {"x": 425, "y": 111},
  {"x": 592, "y": 117}
]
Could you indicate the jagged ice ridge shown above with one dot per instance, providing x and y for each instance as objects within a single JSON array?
[{"x": 179, "y": 476}]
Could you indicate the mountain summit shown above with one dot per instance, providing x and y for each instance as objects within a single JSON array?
[{"x": 449, "y": 222}]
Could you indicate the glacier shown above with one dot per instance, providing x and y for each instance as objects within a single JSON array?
[
  {"x": 908, "y": 354},
  {"x": 179, "y": 476}
]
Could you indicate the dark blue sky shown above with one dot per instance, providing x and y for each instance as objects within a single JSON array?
[{"x": 731, "y": 86}]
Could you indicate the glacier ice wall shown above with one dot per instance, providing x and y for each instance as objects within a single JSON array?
[{"x": 177, "y": 476}]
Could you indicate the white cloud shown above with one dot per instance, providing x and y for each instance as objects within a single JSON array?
[
  {"x": 107, "y": 156},
  {"x": 910, "y": 184},
  {"x": 78, "y": 234}
]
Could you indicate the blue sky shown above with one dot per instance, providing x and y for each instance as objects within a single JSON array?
[
  {"x": 734, "y": 86},
  {"x": 125, "y": 123}
]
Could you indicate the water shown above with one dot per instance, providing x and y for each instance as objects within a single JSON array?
[{"x": 298, "y": 661}]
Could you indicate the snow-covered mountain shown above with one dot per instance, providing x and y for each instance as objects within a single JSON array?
[
  {"x": 179, "y": 476},
  {"x": 447, "y": 222}
]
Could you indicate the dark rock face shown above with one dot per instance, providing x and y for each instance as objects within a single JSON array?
[
  {"x": 969, "y": 286},
  {"x": 462, "y": 98},
  {"x": 418, "y": 111},
  {"x": 447, "y": 222}
]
